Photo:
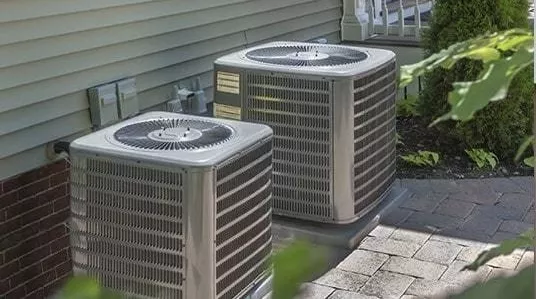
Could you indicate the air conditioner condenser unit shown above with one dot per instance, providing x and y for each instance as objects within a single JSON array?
[
  {"x": 168, "y": 205},
  {"x": 332, "y": 109}
]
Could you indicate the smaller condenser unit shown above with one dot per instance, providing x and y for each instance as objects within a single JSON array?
[
  {"x": 167, "y": 205},
  {"x": 332, "y": 109}
]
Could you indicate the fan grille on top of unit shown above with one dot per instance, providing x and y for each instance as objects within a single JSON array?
[
  {"x": 173, "y": 134},
  {"x": 306, "y": 55}
]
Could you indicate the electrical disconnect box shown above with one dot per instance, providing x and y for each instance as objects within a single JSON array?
[
  {"x": 103, "y": 104},
  {"x": 127, "y": 98}
]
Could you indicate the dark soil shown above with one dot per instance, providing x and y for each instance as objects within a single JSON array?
[{"x": 454, "y": 162}]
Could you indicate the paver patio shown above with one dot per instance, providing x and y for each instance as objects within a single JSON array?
[{"x": 420, "y": 247}]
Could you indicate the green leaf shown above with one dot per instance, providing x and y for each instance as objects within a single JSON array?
[
  {"x": 524, "y": 146},
  {"x": 505, "y": 248},
  {"x": 485, "y": 47},
  {"x": 294, "y": 265},
  {"x": 492, "y": 85},
  {"x": 81, "y": 287},
  {"x": 484, "y": 54},
  {"x": 492, "y": 160},
  {"x": 530, "y": 161},
  {"x": 518, "y": 286}
]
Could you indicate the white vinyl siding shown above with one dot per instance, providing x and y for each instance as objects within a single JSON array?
[{"x": 52, "y": 51}]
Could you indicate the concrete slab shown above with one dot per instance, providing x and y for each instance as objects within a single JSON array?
[{"x": 347, "y": 236}]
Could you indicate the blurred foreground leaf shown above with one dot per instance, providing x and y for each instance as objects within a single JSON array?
[
  {"x": 505, "y": 248},
  {"x": 294, "y": 265},
  {"x": 519, "y": 286}
]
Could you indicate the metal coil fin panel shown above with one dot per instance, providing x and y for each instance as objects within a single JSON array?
[
  {"x": 243, "y": 221},
  {"x": 299, "y": 112},
  {"x": 129, "y": 226},
  {"x": 374, "y": 136}
]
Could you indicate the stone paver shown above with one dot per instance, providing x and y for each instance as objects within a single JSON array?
[
  {"x": 343, "y": 280},
  {"x": 433, "y": 221},
  {"x": 409, "y": 235},
  {"x": 387, "y": 285},
  {"x": 516, "y": 201},
  {"x": 479, "y": 196},
  {"x": 455, "y": 208},
  {"x": 423, "y": 288},
  {"x": 470, "y": 253},
  {"x": 516, "y": 227},
  {"x": 499, "y": 272},
  {"x": 481, "y": 223},
  {"x": 414, "y": 267},
  {"x": 444, "y": 186},
  {"x": 526, "y": 260},
  {"x": 504, "y": 185},
  {"x": 500, "y": 212},
  {"x": 350, "y": 295},
  {"x": 315, "y": 291},
  {"x": 396, "y": 217},
  {"x": 421, "y": 246},
  {"x": 426, "y": 202},
  {"x": 465, "y": 278},
  {"x": 465, "y": 238},
  {"x": 507, "y": 261},
  {"x": 438, "y": 252},
  {"x": 389, "y": 246},
  {"x": 382, "y": 231},
  {"x": 363, "y": 262}
]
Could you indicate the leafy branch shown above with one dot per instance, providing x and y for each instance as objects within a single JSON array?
[{"x": 504, "y": 54}]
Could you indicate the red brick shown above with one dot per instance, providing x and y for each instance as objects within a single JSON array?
[
  {"x": 34, "y": 188},
  {"x": 2, "y": 259},
  {"x": 56, "y": 232},
  {"x": 39, "y": 294},
  {"x": 8, "y": 199},
  {"x": 52, "y": 194},
  {"x": 23, "y": 276},
  {"x": 4, "y": 287},
  {"x": 11, "y": 184},
  {"x": 59, "y": 244},
  {"x": 8, "y": 227},
  {"x": 55, "y": 219},
  {"x": 56, "y": 167},
  {"x": 64, "y": 268},
  {"x": 36, "y": 214},
  {"x": 40, "y": 281},
  {"x": 21, "y": 207},
  {"x": 17, "y": 293},
  {"x": 60, "y": 178},
  {"x": 34, "y": 256},
  {"x": 17, "y": 237},
  {"x": 55, "y": 260},
  {"x": 9, "y": 269},
  {"x": 61, "y": 203},
  {"x": 2, "y": 216}
]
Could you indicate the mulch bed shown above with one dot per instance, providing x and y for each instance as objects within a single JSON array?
[{"x": 454, "y": 162}]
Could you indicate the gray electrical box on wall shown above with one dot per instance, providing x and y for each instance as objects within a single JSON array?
[
  {"x": 127, "y": 98},
  {"x": 103, "y": 104}
]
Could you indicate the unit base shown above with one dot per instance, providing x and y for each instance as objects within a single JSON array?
[
  {"x": 347, "y": 235},
  {"x": 262, "y": 290}
]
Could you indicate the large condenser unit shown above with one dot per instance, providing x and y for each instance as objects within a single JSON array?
[
  {"x": 166, "y": 205},
  {"x": 332, "y": 109}
]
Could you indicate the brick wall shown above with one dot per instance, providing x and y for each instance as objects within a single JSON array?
[{"x": 34, "y": 242}]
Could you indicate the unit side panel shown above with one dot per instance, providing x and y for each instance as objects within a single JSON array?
[
  {"x": 128, "y": 225},
  {"x": 298, "y": 109},
  {"x": 374, "y": 136}
]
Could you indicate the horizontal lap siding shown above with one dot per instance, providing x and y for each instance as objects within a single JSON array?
[{"x": 49, "y": 57}]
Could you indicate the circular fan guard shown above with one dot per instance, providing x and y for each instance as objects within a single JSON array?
[
  {"x": 306, "y": 55},
  {"x": 173, "y": 134}
]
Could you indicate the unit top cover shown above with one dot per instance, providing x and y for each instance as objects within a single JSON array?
[
  {"x": 308, "y": 58},
  {"x": 174, "y": 138}
]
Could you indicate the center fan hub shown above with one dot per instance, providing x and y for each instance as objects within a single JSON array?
[
  {"x": 175, "y": 134},
  {"x": 309, "y": 55}
]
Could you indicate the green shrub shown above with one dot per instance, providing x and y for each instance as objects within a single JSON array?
[{"x": 501, "y": 126}]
